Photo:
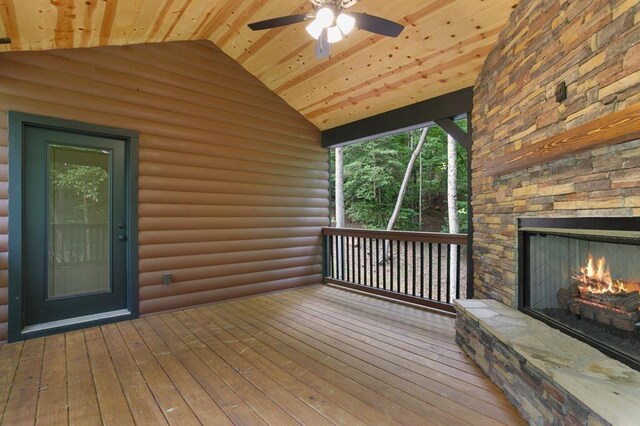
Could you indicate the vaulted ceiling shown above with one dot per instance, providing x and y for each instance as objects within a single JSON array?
[{"x": 441, "y": 50}]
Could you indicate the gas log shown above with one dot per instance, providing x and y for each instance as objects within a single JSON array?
[{"x": 619, "y": 310}]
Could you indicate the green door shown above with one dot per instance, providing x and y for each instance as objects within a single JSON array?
[{"x": 74, "y": 225}]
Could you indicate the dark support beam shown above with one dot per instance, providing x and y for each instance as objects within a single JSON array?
[
  {"x": 455, "y": 131},
  {"x": 402, "y": 119},
  {"x": 464, "y": 139}
]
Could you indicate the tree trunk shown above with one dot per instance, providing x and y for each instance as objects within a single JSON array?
[
  {"x": 339, "y": 187},
  {"x": 405, "y": 181},
  {"x": 452, "y": 204},
  {"x": 403, "y": 189},
  {"x": 339, "y": 205}
]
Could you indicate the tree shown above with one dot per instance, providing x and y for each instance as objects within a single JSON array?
[
  {"x": 452, "y": 185},
  {"x": 339, "y": 187},
  {"x": 374, "y": 171},
  {"x": 405, "y": 181},
  {"x": 339, "y": 201},
  {"x": 372, "y": 175},
  {"x": 452, "y": 204}
]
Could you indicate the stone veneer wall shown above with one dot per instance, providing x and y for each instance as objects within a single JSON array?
[{"x": 595, "y": 47}]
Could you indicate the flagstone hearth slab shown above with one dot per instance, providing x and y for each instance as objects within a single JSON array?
[{"x": 549, "y": 376}]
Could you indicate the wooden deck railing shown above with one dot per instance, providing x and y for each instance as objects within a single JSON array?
[
  {"x": 81, "y": 243},
  {"x": 420, "y": 267}
]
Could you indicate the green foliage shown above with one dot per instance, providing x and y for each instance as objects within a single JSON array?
[
  {"x": 373, "y": 173},
  {"x": 84, "y": 181},
  {"x": 83, "y": 189}
]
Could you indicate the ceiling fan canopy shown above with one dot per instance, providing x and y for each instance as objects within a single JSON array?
[{"x": 330, "y": 23}]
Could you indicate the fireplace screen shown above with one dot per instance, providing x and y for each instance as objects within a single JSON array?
[{"x": 582, "y": 275}]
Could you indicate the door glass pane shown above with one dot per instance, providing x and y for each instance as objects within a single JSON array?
[{"x": 78, "y": 221}]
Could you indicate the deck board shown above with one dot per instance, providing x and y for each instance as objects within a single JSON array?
[
  {"x": 52, "y": 404},
  {"x": 81, "y": 389},
  {"x": 314, "y": 355}
]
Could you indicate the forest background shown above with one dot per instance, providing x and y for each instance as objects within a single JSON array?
[{"x": 373, "y": 173}]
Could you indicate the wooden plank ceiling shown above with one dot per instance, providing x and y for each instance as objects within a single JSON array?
[{"x": 441, "y": 50}]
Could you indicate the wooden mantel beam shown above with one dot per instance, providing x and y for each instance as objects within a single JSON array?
[{"x": 615, "y": 128}]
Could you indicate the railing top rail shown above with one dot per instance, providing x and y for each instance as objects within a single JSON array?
[{"x": 420, "y": 237}]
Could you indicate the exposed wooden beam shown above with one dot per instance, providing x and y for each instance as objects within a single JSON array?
[
  {"x": 455, "y": 131},
  {"x": 618, "y": 127},
  {"x": 402, "y": 119}
]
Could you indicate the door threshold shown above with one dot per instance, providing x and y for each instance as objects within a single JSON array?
[{"x": 73, "y": 323}]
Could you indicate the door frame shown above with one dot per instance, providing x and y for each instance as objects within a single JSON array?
[{"x": 17, "y": 122}]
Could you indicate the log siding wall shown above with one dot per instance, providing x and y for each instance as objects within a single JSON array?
[{"x": 233, "y": 183}]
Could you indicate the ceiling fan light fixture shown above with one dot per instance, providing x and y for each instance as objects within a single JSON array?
[
  {"x": 315, "y": 29},
  {"x": 345, "y": 23},
  {"x": 334, "y": 34},
  {"x": 325, "y": 17}
]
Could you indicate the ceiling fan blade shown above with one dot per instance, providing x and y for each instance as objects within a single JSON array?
[
  {"x": 323, "y": 48},
  {"x": 279, "y": 22},
  {"x": 376, "y": 24}
]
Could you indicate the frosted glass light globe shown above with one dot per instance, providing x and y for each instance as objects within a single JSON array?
[
  {"x": 346, "y": 23},
  {"x": 325, "y": 17},
  {"x": 315, "y": 29},
  {"x": 334, "y": 35}
]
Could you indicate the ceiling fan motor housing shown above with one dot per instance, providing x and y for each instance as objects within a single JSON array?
[{"x": 339, "y": 4}]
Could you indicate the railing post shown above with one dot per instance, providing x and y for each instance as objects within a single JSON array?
[{"x": 326, "y": 256}]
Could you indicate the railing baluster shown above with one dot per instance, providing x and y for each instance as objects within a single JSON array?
[
  {"x": 374, "y": 256},
  {"x": 353, "y": 259},
  {"x": 421, "y": 269},
  {"x": 406, "y": 268},
  {"x": 458, "y": 271},
  {"x": 359, "y": 260},
  {"x": 384, "y": 264},
  {"x": 431, "y": 271},
  {"x": 398, "y": 268},
  {"x": 349, "y": 260},
  {"x": 372, "y": 261},
  {"x": 413, "y": 260},
  {"x": 366, "y": 256},
  {"x": 448, "y": 273},
  {"x": 343, "y": 258},
  {"x": 439, "y": 272},
  {"x": 333, "y": 255},
  {"x": 391, "y": 265},
  {"x": 376, "y": 262}
]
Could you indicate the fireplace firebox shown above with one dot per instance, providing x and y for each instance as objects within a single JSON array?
[{"x": 582, "y": 276}]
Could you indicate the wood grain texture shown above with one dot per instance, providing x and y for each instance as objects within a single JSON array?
[
  {"x": 618, "y": 127},
  {"x": 441, "y": 50},
  {"x": 233, "y": 183},
  {"x": 314, "y": 355}
]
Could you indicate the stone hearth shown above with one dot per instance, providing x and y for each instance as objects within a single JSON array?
[{"x": 550, "y": 377}]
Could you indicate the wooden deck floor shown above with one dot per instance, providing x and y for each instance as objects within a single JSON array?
[{"x": 316, "y": 355}]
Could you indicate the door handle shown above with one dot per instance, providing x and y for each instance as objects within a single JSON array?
[{"x": 122, "y": 237}]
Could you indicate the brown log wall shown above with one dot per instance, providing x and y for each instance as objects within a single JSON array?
[{"x": 233, "y": 183}]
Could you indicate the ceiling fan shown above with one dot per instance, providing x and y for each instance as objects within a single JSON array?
[{"x": 329, "y": 23}]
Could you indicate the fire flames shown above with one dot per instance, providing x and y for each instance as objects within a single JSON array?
[{"x": 596, "y": 279}]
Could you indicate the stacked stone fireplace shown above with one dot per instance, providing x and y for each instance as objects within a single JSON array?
[{"x": 593, "y": 49}]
